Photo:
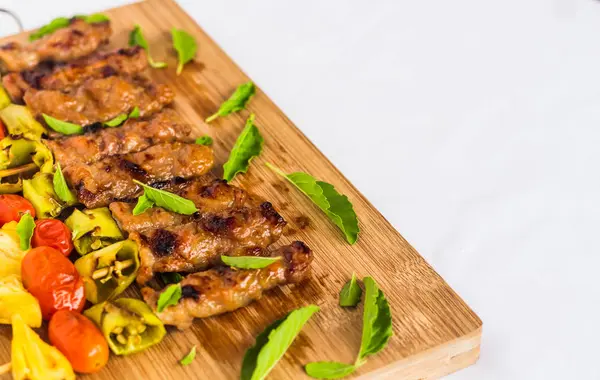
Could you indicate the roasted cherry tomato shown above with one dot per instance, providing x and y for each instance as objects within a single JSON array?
[
  {"x": 52, "y": 233},
  {"x": 79, "y": 340},
  {"x": 53, "y": 280},
  {"x": 12, "y": 207}
]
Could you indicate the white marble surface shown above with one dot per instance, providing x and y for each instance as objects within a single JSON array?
[{"x": 473, "y": 126}]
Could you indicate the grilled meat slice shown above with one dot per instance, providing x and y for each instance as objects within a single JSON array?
[
  {"x": 223, "y": 289},
  {"x": 130, "y": 61},
  {"x": 77, "y": 40},
  {"x": 238, "y": 210},
  {"x": 111, "y": 178},
  {"x": 100, "y": 100},
  {"x": 134, "y": 136},
  {"x": 200, "y": 242}
]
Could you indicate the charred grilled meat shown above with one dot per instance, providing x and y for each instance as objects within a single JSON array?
[
  {"x": 111, "y": 178},
  {"x": 211, "y": 197},
  {"x": 223, "y": 289},
  {"x": 229, "y": 221},
  {"x": 77, "y": 40},
  {"x": 134, "y": 136},
  {"x": 100, "y": 100},
  {"x": 64, "y": 76}
]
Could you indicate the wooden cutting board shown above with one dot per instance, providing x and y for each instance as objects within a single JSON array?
[{"x": 435, "y": 332}]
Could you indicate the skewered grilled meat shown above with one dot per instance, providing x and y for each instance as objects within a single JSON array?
[
  {"x": 77, "y": 40},
  {"x": 57, "y": 76},
  {"x": 211, "y": 197},
  {"x": 111, "y": 178},
  {"x": 100, "y": 100},
  {"x": 224, "y": 289},
  {"x": 134, "y": 136}
]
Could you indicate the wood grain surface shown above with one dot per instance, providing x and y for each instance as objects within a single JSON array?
[{"x": 435, "y": 332}]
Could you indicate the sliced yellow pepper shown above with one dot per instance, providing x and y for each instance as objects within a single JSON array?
[
  {"x": 14, "y": 299},
  {"x": 34, "y": 359},
  {"x": 11, "y": 254}
]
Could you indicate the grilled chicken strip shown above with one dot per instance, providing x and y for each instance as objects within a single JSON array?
[
  {"x": 223, "y": 289},
  {"x": 77, "y": 40},
  {"x": 134, "y": 136},
  {"x": 212, "y": 197},
  {"x": 111, "y": 178},
  {"x": 200, "y": 242},
  {"x": 100, "y": 100},
  {"x": 51, "y": 76}
]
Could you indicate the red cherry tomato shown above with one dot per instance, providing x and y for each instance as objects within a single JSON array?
[
  {"x": 12, "y": 207},
  {"x": 52, "y": 233},
  {"x": 79, "y": 340},
  {"x": 53, "y": 280}
]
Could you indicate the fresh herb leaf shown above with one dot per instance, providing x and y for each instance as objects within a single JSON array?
[
  {"x": 169, "y": 297},
  {"x": 249, "y": 262},
  {"x": 166, "y": 200},
  {"x": 335, "y": 205},
  {"x": 25, "y": 229},
  {"x": 143, "y": 204},
  {"x": 63, "y": 22},
  {"x": 236, "y": 102},
  {"x": 272, "y": 343},
  {"x": 187, "y": 359},
  {"x": 329, "y": 370},
  {"x": 61, "y": 188},
  {"x": 204, "y": 140},
  {"x": 377, "y": 321},
  {"x": 171, "y": 277},
  {"x": 185, "y": 45},
  {"x": 62, "y": 126},
  {"x": 94, "y": 18},
  {"x": 247, "y": 146},
  {"x": 351, "y": 292},
  {"x": 116, "y": 121},
  {"x": 135, "y": 113},
  {"x": 136, "y": 38}
]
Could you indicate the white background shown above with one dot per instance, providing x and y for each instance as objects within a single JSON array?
[{"x": 473, "y": 126}]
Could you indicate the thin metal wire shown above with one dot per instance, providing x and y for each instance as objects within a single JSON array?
[{"x": 14, "y": 17}]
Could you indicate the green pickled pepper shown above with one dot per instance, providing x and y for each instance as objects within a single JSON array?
[
  {"x": 93, "y": 229},
  {"x": 39, "y": 190},
  {"x": 128, "y": 324},
  {"x": 109, "y": 271}
]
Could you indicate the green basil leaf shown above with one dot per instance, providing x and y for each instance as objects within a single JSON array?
[
  {"x": 204, "y": 140},
  {"x": 377, "y": 321},
  {"x": 351, "y": 292},
  {"x": 62, "y": 126},
  {"x": 329, "y": 370},
  {"x": 135, "y": 113},
  {"x": 63, "y": 22},
  {"x": 169, "y": 201},
  {"x": 272, "y": 343},
  {"x": 116, "y": 121},
  {"x": 185, "y": 45},
  {"x": 249, "y": 262},
  {"x": 187, "y": 359},
  {"x": 335, "y": 205},
  {"x": 236, "y": 102},
  {"x": 95, "y": 18},
  {"x": 169, "y": 297},
  {"x": 136, "y": 38},
  {"x": 25, "y": 229},
  {"x": 143, "y": 204},
  {"x": 61, "y": 188},
  {"x": 248, "y": 145},
  {"x": 171, "y": 277}
]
